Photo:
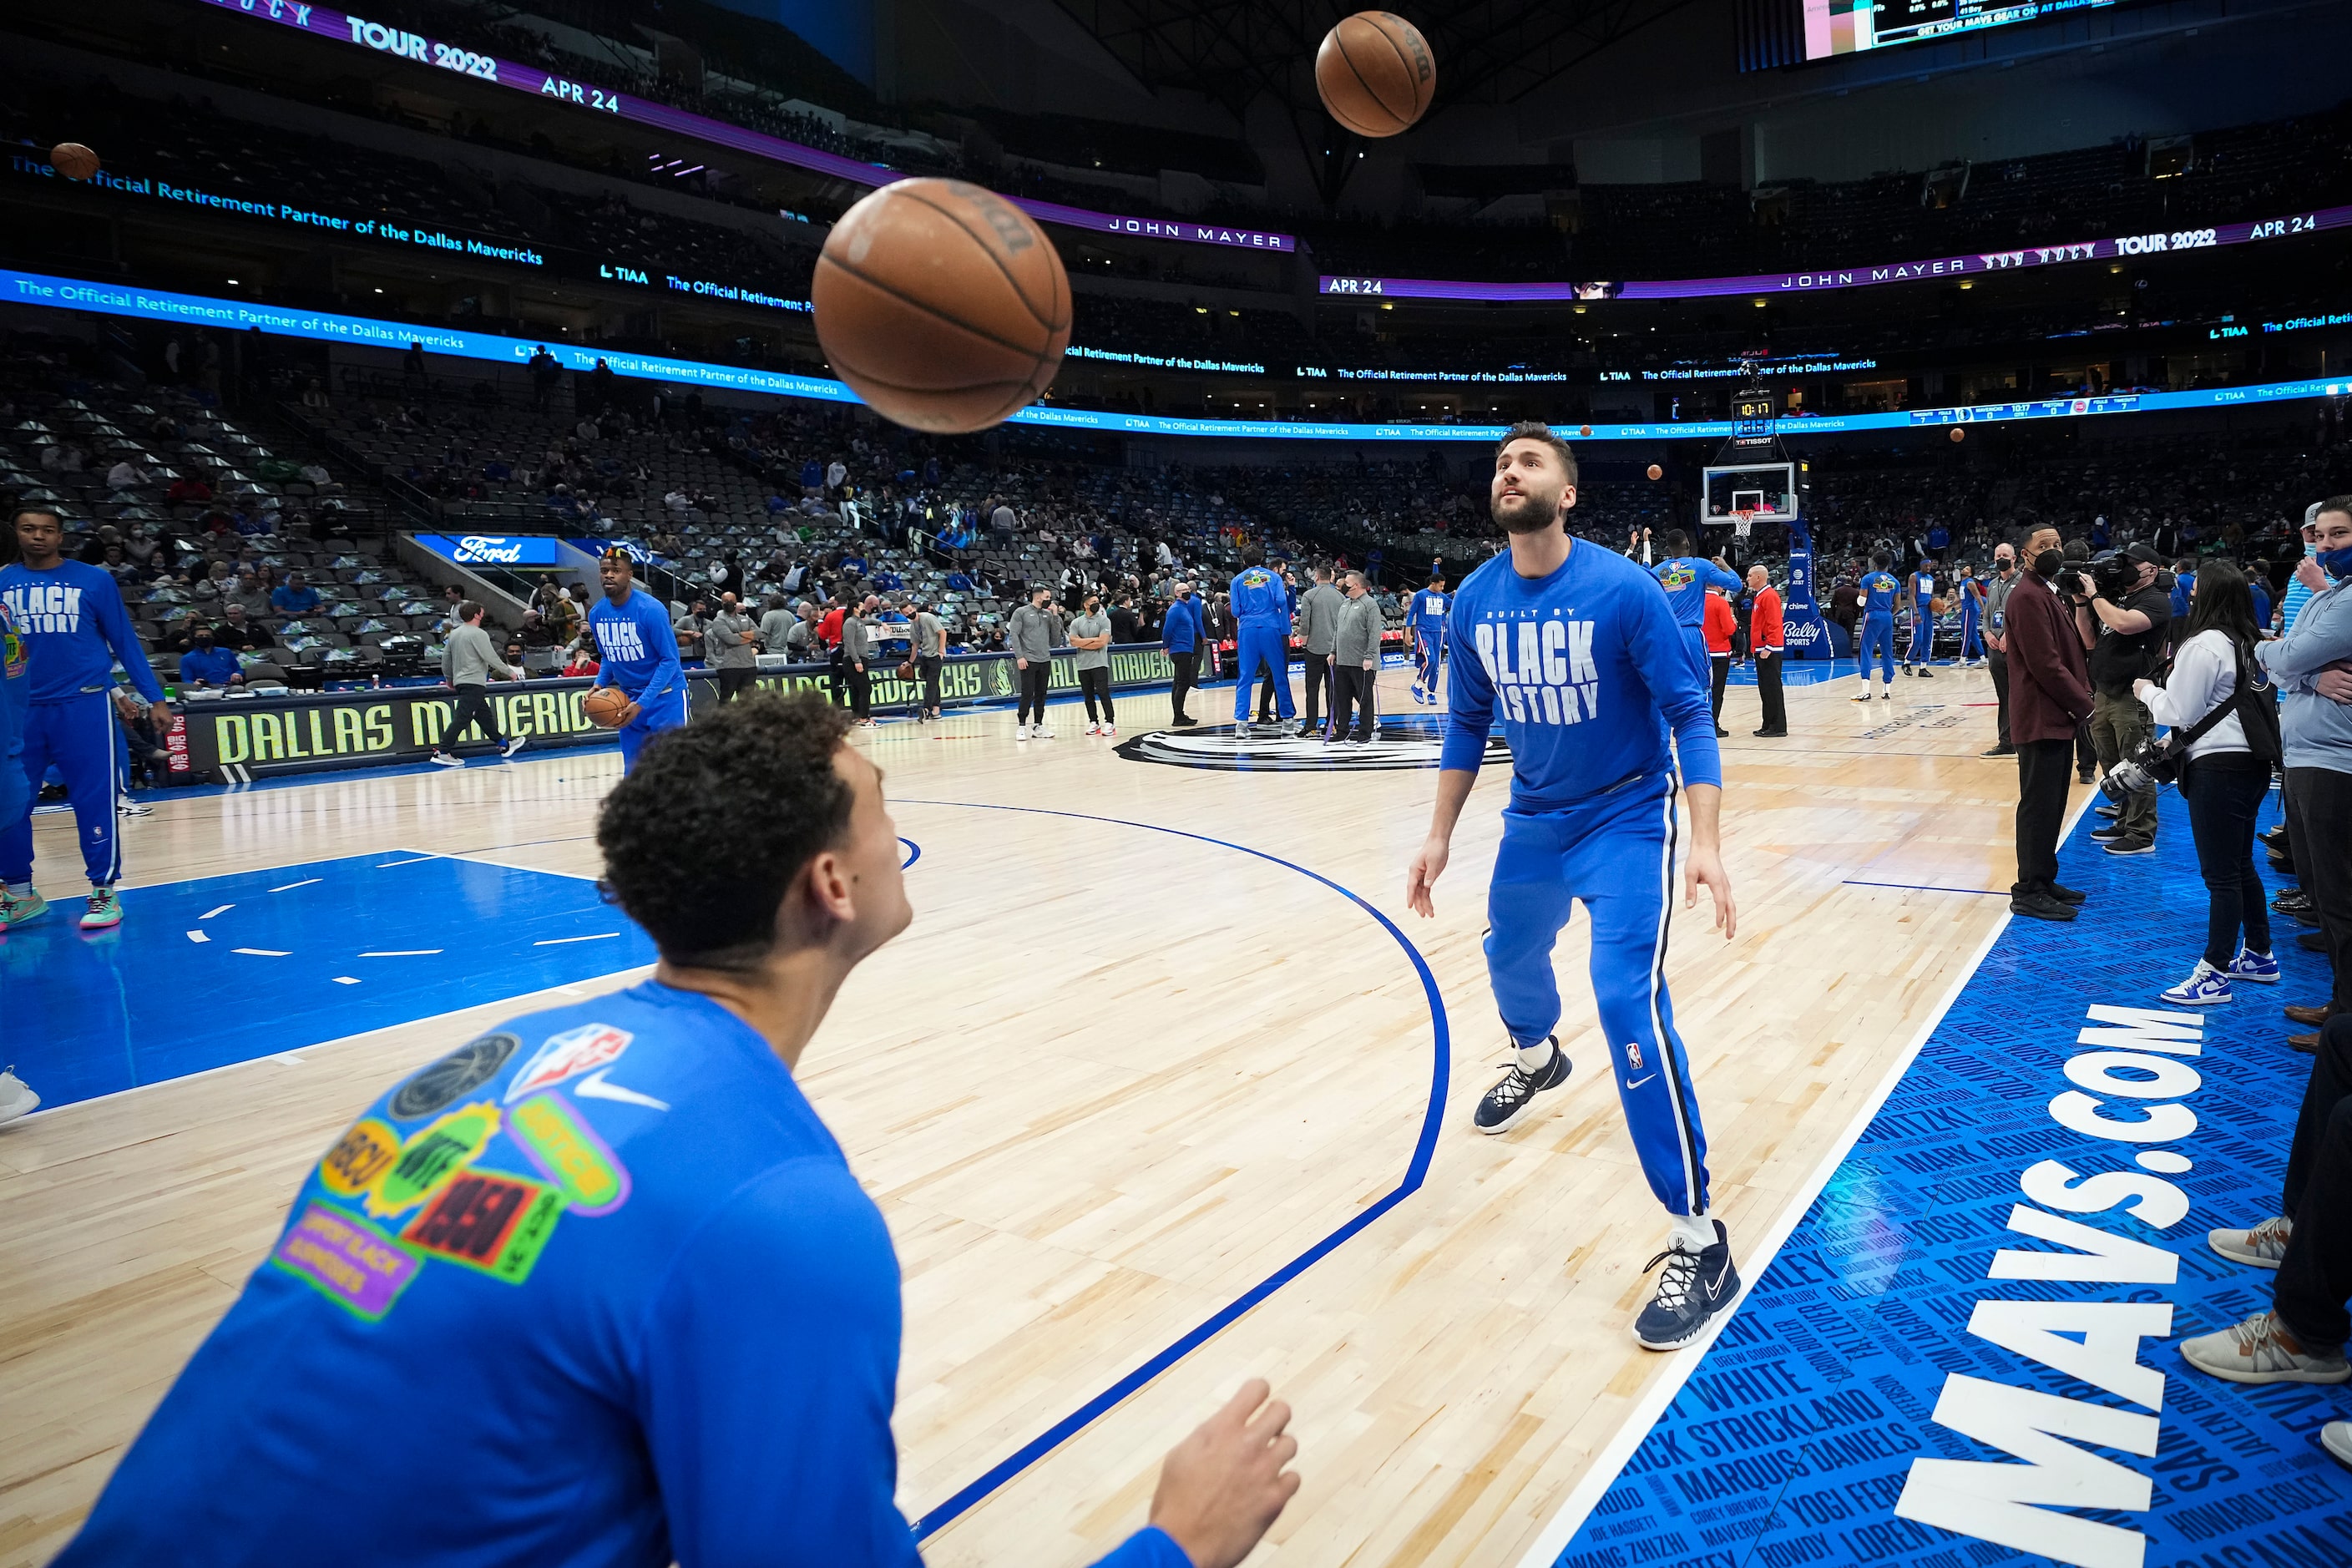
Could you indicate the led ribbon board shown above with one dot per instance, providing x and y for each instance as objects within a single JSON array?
[
  {"x": 355, "y": 31},
  {"x": 238, "y": 315}
]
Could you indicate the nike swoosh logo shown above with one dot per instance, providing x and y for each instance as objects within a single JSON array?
[
  {"x": 593, "y": 1087},
  {"x": 1638, "y": 1082}
]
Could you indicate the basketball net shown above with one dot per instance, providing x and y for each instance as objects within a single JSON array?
[{"x": 1742, "y": 521}]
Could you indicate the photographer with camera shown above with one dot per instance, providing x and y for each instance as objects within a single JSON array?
[
  {"x": 2224, "y": 739},
  {"x": 2123, "y": 618},
  {"x": 2049, "y": 696},
  {"x": 2311, "y": 666}
]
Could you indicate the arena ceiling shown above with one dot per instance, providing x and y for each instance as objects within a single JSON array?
[{"x": 1490, "y": 51}]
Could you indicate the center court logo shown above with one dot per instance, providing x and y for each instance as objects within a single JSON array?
[{"x": 1406, "y": 740}]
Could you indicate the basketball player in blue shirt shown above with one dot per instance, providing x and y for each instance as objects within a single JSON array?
[
  {"x": 1878, "y": 590},
  {"x": 1686, "y": 579},
  {"x": 1923, "y": 622},
  {"x": 1426, "y": 615},
  {"x": 598, "y": 1286},
  {"x": 71, "y": 618},
  {"x": 1971, "y": 593},
  {"x": 640, "y": 654},
  {"x": 1261, "y": 607},
  {"x": 1575, "y": 651}
]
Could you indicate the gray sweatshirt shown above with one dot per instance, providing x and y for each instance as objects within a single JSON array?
[
  {"x": 2317, "y": 733},
  {"x": 857, "y": 642},
  {"x": 723, "y": 645},
  {"x": 1358, "y": 637},
  {"x": 1094, "y": 626},
  {"x": 1319, "y": 609},
  {"x": 468, "y": 657},
  {"x": 1032, "y": 633},
  {"x": 772, "y": 627}
]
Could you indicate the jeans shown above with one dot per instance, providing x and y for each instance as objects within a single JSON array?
[
  {"x": 1093, "y": 684},
  {"x": 2224, "y": 792},
  {"x": 1032, "y": 690},
  {"x": 2042, "y": 781},
  {"x": 1188, "y": 675},
  {"x": 2314, "y": 1278},
  {"x": 2323, "y": 860},
  {"x": 2119, "y": 728}
]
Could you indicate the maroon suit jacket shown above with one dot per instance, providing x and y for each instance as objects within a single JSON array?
[{"x": 2049, "y": 681}]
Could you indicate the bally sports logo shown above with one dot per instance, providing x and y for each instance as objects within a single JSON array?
[{"x": 487, "y": 550}]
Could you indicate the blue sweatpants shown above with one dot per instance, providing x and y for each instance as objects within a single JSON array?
[
  {"x": 1615, "y": 853},
  {"x": 1923, "y": 634},
  {"x": 1878, "y": 637},
  {"x": 81, "y": 737},
  {"x": 1971, "y": 635},
  {"x": 1267, "y": 645},
  {"x": 1429, "y": 656},
  {"x": 662, "y": 713}
]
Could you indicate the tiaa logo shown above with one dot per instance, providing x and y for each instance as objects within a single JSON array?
[{"x": 482, "y": 550}]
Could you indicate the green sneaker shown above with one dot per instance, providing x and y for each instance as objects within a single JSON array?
[
  {"x": 105, "y": 910},
  {"x": 21, "y": 909}
]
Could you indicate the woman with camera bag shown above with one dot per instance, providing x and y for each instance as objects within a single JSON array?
[{"x": 2224, "y": 742}]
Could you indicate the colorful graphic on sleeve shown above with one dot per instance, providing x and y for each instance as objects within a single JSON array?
[{"x": 347, "y": 1260}]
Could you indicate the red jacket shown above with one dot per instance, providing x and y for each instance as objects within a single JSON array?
[
  {"x": 1764, "y": 621},
  {"x": 2049, "y": 682},
  {"x": 1718, "y": 623}
]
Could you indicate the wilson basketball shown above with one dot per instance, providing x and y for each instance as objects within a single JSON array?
[
  {"x": 1375, "y": 73},
  {"x": 1656, "y": 472},
  {"x": 1958, "y": 434},
  {"x": 603, "y": 705},
  {"x": 1936, "y": 605},
  {"x": 942, "y": 305},
  {"x": 73, "y": 160}
]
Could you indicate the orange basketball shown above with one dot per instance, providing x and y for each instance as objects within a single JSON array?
[
  {"x": 1958, "y": 434},
  {"x": 1584, "y": 429},
  {"x": 1936, "y": 605},
  {"x": 942, "y": 305},
  {"x": 1375, "y": 73},
  {"x": 1656, "y": 472},
  {"x": 73, "y": 160},
  {"x": 603, "y": 705}
]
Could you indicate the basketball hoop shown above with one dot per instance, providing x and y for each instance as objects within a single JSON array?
[{"x": 1742, "y": 521}]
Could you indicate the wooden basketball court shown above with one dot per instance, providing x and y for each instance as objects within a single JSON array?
[{"x": 1158, "y": 1041}]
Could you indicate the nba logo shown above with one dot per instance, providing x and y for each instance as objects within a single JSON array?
[{"x": 1634, "y": 1055}]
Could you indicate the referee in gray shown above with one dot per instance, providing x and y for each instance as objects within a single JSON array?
[{"x": 469, "y": 660}]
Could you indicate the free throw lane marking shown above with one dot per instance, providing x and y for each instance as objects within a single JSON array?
[
  {"x": 559, "y": 940},
  {"x": 264, "y": 952},
  {"x": 388, "y": 865},
  {"x": 405, "y": 952},
  {"x": 305, "y": 882},
  {"x": 221, "y": 911}
]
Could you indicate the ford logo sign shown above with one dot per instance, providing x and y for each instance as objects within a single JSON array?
[{"x": 479, "y": 549}]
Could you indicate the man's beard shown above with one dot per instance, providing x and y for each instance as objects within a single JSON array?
[{"x": 1532, "y": 517}]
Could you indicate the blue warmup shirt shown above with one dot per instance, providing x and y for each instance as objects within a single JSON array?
[
  {"x": 1686, "y": 579},
  {"x": 1259, "y": 597},
  {"x": 1182, "y": 631},
  {"x": 1880, "y": 590},
  {"x": 595, "y": 1287},
  {"x": 72, "y": 618},
  {"x": 1588, "y": 671},
  {"x": 638, "y": 649},
  {"x": 1427, "y": 610},
  {"x": 1923, "y": 589}
]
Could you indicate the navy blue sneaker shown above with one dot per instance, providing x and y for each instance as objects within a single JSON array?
[
  {"x": 1506, "y": 1104},
  {"x": 1693, "y": 1289}
]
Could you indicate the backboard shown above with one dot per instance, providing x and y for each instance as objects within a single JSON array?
[{"x": 1769, "y": 489}]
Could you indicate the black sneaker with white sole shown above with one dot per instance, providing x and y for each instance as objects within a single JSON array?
[
  {"x": 1694, "y": 1286},
  {"x": 1509, "y": 1100}
]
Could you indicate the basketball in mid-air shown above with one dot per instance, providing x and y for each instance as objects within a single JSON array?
[
  {"x": 1656, "y": 472},
  {"x": 1584, "y": 429},
  {"x": 73, "y": 160},
  {"x": 1375, "y": 73},
  {"x": 603, "y": 705},
  {"x": 1958, "y": 434},
  {"x": 1936, "y": 605},
  {"x": 942, "y": 305}
]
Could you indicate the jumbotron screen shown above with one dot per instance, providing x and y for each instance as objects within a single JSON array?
[{"x": 1849, "y": 26}]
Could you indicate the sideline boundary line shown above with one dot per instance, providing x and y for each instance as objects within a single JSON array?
[{"x": 1610, "y": 1459}]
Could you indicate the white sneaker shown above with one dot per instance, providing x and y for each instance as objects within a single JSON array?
[
  {"x": 137, "y": 808},
  {"x": 16, "y": 1096},
  {"x": 2263, "y": 1247},
  {"x": 1093, "y": 729},
  {"x": 1110, "y": 732},
  {"x": 2205, "y": 987},
  {"x": 444, "y": 759},
  {"x": 1042, "y": 734},
  {"x": 1021, "y": 732},
  {"x": 517, "y": 745},
  {"x": 2259, "y": 1351},
  {"x": 2337, "y": 1438},
  {"x": 1862, "y": 695}
]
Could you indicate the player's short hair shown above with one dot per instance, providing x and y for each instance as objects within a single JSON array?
[
  {"x": 1676, "y": 540},
  {"x": 1882, "y": 561},
  {"x": 615, "y": 552},
  {"x": 1536, "y": 430},
  {"x": 704, "y": 835},
  {"x": 1437, "y": 582}
]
